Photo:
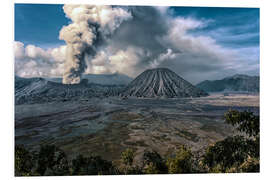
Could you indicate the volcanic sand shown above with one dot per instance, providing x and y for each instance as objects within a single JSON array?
[{"x": 108, "y": 126}]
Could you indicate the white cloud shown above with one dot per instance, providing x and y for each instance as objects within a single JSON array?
[
  {"x": 19, "y": 50},
  {"x": 33, "y": 61},
  {"x": 58, "y": 54},
  {"x": 169, "y": 55},
  {"x": 123, "y": 61}
]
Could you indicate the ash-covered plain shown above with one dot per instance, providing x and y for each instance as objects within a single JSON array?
[{"x": 107, "y": 126}]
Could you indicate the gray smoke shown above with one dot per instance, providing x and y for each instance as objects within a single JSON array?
[{"x": 81, "y": 36}]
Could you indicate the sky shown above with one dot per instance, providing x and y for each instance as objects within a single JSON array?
[{"x": 198, "y": 43}]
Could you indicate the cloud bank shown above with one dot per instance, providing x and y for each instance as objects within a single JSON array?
[{"x": 130, "y": 40}]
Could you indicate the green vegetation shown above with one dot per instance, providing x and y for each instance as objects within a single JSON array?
[
  {"x": 52, "y": 161},
  {"x": 23, "y": 161},
  {"x": 245, "y": 121},
  {"x": 93, "y": 165},
  {"x": 233, "y": 154},
  {"x": 153, "y": 163},
  {"x": 181, "y": 163},
  {"x": 237, "y": 153},
  {"x": 127, "y": 157}
]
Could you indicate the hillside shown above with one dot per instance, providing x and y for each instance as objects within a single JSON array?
[
  {"x": 238, "y": 82},
  {"x": 40, "y": 90}
]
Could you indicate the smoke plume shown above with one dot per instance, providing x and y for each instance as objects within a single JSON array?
[{"x": 90, "y": 24}]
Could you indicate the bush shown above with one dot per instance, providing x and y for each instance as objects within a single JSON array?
[
  {"x": 238, "y": 153},
  {"x": 181, "y": 163},
  {"x": 250, "y": 165},
  {"x": 127, "y": 157},
  {"x": 245, "y": 121},
  {"x": 133, "y": 170},
  {"x": 23, "y": 161},
  {"x": 92, "y": 165},
  {"x": 52, "y": 160},
  {"x": 229, "y": 152},
  {"x": 153, "y": 163}
]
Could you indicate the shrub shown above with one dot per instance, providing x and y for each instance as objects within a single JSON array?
[
  {"x": 127, "y": 157},
  {"x": 92, "y": 165},
  {"x": 181, "y": 163},
  {"x": 245, "y": 121},
  {"x": 226, "y": 153},
  {"x": 52, "y": 160},
  {"x": 23, "y": 161},
  {"x": 233, "y": 154},
  {"x": 250, "y": 165},
  {"x": 153, "y": 163}
]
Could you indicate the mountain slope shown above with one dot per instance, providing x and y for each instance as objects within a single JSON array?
[
  {"x": 39, "y": 90},
  {"x": 104, "y": 79},
  {"x": 161, "y": 82},
  {"x": 237, "y": 82}
]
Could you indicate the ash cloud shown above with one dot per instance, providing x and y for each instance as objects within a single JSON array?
[{"x": 81, "y": 36}]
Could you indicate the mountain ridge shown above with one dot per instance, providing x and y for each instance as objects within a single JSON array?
[
  {"x": 237, "y": 82},
  {"x": 40, "y": 90}
]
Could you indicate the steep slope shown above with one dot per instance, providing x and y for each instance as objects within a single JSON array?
[
  {"x": 104, "y": 79},
  {"x": 237, "y": 82},
  {"x": 161, "y": 82},
  {"x": 39, "y": 90}
]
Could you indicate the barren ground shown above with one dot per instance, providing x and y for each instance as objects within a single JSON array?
[{"x": 108, "y": 126}]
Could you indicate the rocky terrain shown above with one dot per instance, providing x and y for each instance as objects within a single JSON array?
[
  {"x": 107, "y": 126},
  {"x": 161, "y": 82},
  {"x": 40, "y": 90},
  {"x": 237, "y": 82}
]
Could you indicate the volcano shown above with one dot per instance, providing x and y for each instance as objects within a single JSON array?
[{"x": 161, "y": 82}]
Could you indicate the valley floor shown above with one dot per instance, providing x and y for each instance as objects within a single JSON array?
[{"x": 108, "y": 126}]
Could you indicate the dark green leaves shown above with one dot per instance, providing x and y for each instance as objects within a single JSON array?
[{"x": 244, "y": 121}]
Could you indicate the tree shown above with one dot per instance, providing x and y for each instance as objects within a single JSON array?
[
  {"x": 245, "y": 121},
  {"x": 52, "y": 161},
  {"x": 153, "y": 163},
  {"x": 181, "y": 163},
  {"x": 127, "y": 157},
  {"x": 250, "y": 165},
  {"x": 233, "y": 154},
  {"x": 229, "y": 152},
  {"x": 92, "y": 165},
  {"x": 23, "y": 161}
]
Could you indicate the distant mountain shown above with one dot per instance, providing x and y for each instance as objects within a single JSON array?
[
  {"x": 238, "y": 82},
  {"x": 104, "y": 79},
  {"x": 40, "y": 90},
  {"x": 161, "y": 82}
]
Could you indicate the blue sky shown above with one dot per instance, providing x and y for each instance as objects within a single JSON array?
[
  {"x": 196, "y": 42},
  {"x": 231, "y": 27},
  {"x": 40, "y": 24}
]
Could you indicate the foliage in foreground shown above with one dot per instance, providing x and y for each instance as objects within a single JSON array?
[
  {"x": 233, "y": 154},
  {"x": 181, "y": 163},
  {"x": 237, "y": 153}
]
